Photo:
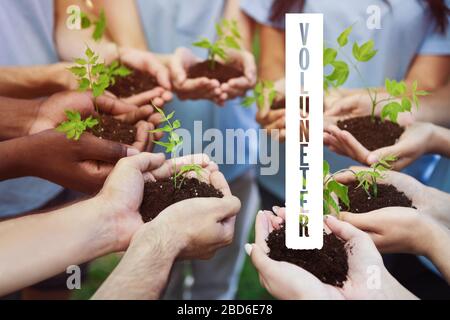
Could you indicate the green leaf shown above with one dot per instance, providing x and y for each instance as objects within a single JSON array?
[
  {"x": 204, "y": 43},
  {"x": 81, "y": 61},
  {"x": 100, "y": 27},
  {"x": 340, "y": 190},
  {"x": 89, "y": 53},
  {"x": 343, "y": 37},
  {"x": 85, "y": 21},
  {"x": 122, "y": 71},
  {"x": 406, "y": 104},
  {"x": 78, "y": 71},
  {"x": 365, "y": 52},
  {"x": 391, "y": 110},
  {"x": 329, "y": 55},
  {"x": 83, "y": 84},
  {"x": 231, "y": 42},
  {"x": 248, "y": 102},
  {"x": 340, "y": 73},
  {"x": 176, "y": 124},
  {"x": 326, "y": 169}
]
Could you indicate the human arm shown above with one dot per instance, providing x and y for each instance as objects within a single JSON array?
[
  {"x": 29, "y": 82},
  {"x": 287, "y": 281}
]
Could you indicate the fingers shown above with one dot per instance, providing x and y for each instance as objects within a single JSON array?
[
  {"x": 363, "y": 221},
  {"x": 262, "y": 230},
  {"x": 143, "y": 161},
  {"x": 145, "y": 97},
  {"x": 177, "y": 66},
  {"x": 167, "y": 169},
  {"x": 161, "y": 73},
  {"x": 267, "y": 267},
  {"x": 93, "y": 148},
  {"x": 218, "y": 181},
  {"x": 348, "y": 144},
  {"x": 142, "y": 113},
  {"x": 341, "y": 229},
  {"x": 227, "y": 209},
  {"x": 142, "y": 135}
]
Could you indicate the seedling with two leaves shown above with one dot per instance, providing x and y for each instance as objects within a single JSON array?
[
  {"x": 228, "y": 36},
  {"x": 174, "y": 141},
  {"x": 74, "y": 127},
  {"x": 263, "y": 89},
  {"x": 368, "y": 178}
]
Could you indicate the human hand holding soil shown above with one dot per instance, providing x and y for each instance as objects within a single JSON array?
[
  {"x": 416, "y": 140},
  {"x": 270, "y": 119},
  {"x": 199, "y": 88},
  {"x": 51, "y": 112},
  {"x": 148, "y": 63},
  {"x": 237, "y": 87},
  {"x": 287, "y": 281}
]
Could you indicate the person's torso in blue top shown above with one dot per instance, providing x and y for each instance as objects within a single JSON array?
[
  {"x": 406, "y": 30},
  {"x": 26, "y": 37},
  {"x": 170, "y": 24}
]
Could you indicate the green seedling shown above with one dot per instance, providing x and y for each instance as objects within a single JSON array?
[
  {"x": 94, "y": 75},
  {"x": 99, "y": 25},
  {"x": 262, "y": 90},
  {"x": 368, "y": 178},
  {"x": 228, "y": 36},
  {"x": 330, "y": 187},
  {"x": 174, "y": 141},
  {"x": 397, "y": 91},
  {"x": 74, "y": 127}
]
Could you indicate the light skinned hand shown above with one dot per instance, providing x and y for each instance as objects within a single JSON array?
[
  {"x": 148, "y": 62},
  {"x": 123, "y": 189},
  {"x": 287, "y": 281},
  {"x": 201, "y": 225},
  {"x": 185, "y": 88},
  {"x": 413, "y": 143},
  {"x": 274, "y": 121},
  {"x": 242, "y": 60}
]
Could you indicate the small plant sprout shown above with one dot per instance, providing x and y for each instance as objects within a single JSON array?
[
  {"x": 174, "y": 141},
  {"x": 330, "y": 187},
  {"x": 368, "y": 178},
  {"x": 94, "y": 75},
  {"x": 228, "y": 36},
  {"x": 262, "y": 90},
  {"x": 74, "y": 127}
]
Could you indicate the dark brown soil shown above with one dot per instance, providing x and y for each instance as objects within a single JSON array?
[
  {"x": 372, "y": 134},
  {"x": 388, "y": 196},
  {"x": 114, "y": 130},
  {"x": 221, "y": 72},
  {"x": 280, "y": 104},
  {"x": 330, "y": 264},
  {"x": 135, "y": 83},
  {"x": 161, "y": 194}
]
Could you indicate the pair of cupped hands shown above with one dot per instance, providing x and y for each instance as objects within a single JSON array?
[{"x": 388, "y": 230}]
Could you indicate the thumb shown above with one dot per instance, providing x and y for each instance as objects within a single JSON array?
[
  {"x": 341, "y": 229},
  {"x": 362, "y": 221},
  {"x": 375, "y": 156},
  {"x": 265, "y": 266},
  {"x": 229, "y": 207},
  {"x": 93, "y": 148}
]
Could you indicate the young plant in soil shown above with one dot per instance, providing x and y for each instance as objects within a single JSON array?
[
  {"x": 161, "y": 194},
  {"x": 329, "y": 264},
  {"x": 263, "y": 89},
  {"x": 371, "y": 131},
  {"x": 228, "y": 37},
  {"x": 97, "y": 77},
  {"x": 366, "y": 194}
]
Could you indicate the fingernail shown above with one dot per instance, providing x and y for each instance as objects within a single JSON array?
[
  {"x": 275, "y": 209},
  {"x": 248, "y": 249},
  {"x": 132, "y": 152},
  {"x": 372, "y": 158},
  {"x": 260, "y": 212}
]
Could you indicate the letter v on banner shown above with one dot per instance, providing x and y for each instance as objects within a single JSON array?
[{"x": 304, "y": 131}]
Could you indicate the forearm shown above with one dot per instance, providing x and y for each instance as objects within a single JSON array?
[
  {"x": 37, "y": 247},
  {"x": 440, "y": 141},
  {"x": 438, "y": 251},
  {"x": 34, "y": 81},
  {"x": 17, "y": 116},
  {"x": 144, "y": 269},
  {"x": 440, "y": 209},
  {"x": 435, "y": 108}
]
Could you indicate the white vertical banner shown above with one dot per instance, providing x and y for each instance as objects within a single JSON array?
[{"x": 304, "y": 131}]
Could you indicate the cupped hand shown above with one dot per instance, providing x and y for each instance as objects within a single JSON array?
[
  {"x": 237, "y": 87},
  {"x": 199, "y": 88},
  {"x": 274, "y": 121},
  {"x": 288, "y": 281},
  {"x": 412, "y": 144},
  {"x": 51, "y": 113},
  {"x": 201, "y": 225},
  {"x": 148, "y": 62}
]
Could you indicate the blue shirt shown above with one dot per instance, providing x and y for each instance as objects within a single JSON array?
[
  {"x": 407, "y": 30},
  {"x": 170, "y": 24},
  {"x": 26, "y": 37}
]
